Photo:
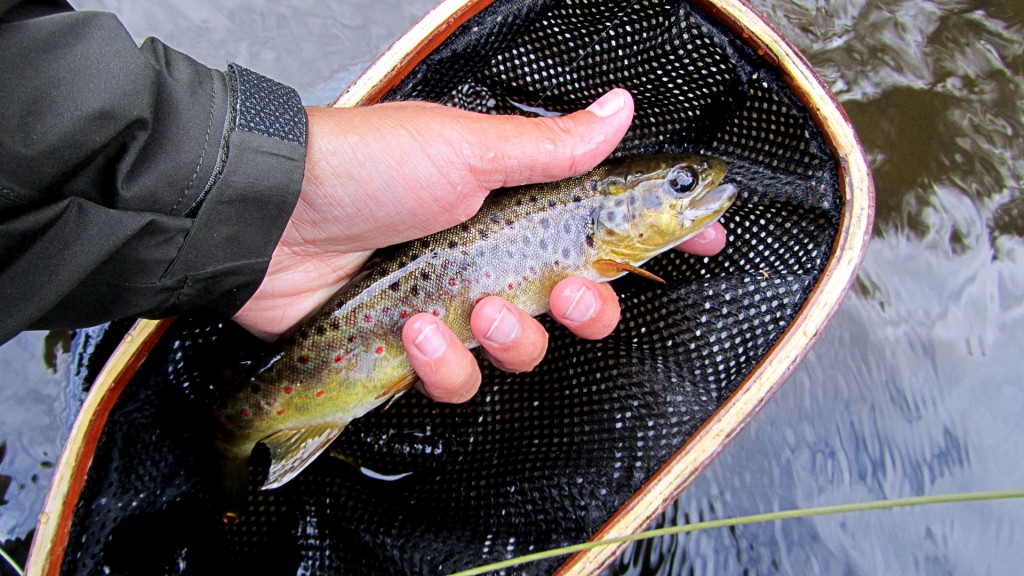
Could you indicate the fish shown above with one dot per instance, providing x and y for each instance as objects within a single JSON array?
[{"x": 348, "y": 358}]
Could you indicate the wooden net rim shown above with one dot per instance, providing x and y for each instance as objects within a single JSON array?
[{"x": 856, "y": 188}]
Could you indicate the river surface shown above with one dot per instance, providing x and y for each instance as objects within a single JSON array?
[{"x": 914, "y": 388}]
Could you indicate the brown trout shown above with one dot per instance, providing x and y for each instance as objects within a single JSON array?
[{"x": 349, "y": 357}]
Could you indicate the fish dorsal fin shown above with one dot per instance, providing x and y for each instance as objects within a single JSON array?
[
  {"x": 611, "y": 269},
  {"x": 292, "y": 449}
]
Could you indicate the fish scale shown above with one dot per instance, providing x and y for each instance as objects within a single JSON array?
[{"x": 349, "y": 357}]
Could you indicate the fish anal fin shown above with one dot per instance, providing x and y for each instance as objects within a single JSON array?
[
  {"x": 612, "y": 268},
  {"x": 292, "y": 449}
]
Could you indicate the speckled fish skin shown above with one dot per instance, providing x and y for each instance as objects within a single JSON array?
[{"x": 349, "y": 357}]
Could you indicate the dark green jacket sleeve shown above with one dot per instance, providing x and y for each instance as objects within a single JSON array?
[{"x": 133, "y": 181}]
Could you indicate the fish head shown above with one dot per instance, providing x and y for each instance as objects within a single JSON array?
[{"x": 650, "y": 204}]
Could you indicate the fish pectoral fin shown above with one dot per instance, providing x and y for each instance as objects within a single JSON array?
[
  {"x": 611, "y": 269},
  {"x": 402, "y": 385},
  {"x": 292, "y": 449}
]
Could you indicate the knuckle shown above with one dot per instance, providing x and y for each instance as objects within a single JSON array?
[
  {"x": 456, "y": 386},
  {"x": 563, "y": 142}
]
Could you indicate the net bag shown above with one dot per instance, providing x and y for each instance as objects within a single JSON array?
[{"x": 602, "y": 435}]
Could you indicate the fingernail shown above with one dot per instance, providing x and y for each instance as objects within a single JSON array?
[
  {"x": 430, "y": 343},
  {"x": 504, "y": 328},
  {"x": 608, "y": 104},
  {"x": 704, "y": 236},
  {"x": 583, "y": 305}
]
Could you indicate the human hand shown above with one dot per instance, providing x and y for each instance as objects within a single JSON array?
[{"x": 380, "y": 175}]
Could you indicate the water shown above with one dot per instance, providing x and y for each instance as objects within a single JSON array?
[{"x": 914, "y": 388}]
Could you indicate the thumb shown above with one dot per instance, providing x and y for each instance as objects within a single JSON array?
[{"x": 515, "y": 150}]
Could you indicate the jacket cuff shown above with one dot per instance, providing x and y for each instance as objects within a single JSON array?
[{"x": 240, "y": 216}]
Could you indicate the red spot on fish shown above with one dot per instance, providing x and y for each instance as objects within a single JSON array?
[
  {"x": 339, "y": 358},
  {"x": 403, "y": 314},
  {"x": 453, "y": 282},
  {"x": 288, "y": 389},
  {"x": 280, "y": 412},
  {"x": 511, "y": 286},
  {"x": 488, "y": 274},
  {"x": 319, "y": 393},
  {"x": 368, "y": 318},
  {"x": 304, "y": 359},
  {"x": 379, "y": 350},
  {"x": 244, "y": 412},
  {"x": 352, "y": 339},
  {"x": 437, "y": 312}
]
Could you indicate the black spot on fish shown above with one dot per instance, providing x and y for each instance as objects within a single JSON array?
[
  {"x": 464, "y": 227},
  {"x": 533, "y": 199},
  {"x": 415, "y": 290},
  {"x": 577, "y": 199},
  {"x": 590, "y": 240},
  {"x": 545, "y": 223},
  {"x": 321, "y": 329},
  {"x": 552, "y": 204},
  {"x": 483, "y": 234},
  {"x": 425, "y": 276},
  {"x": 335, "y": 323},
  {"x": 394, "y": 287},
  {"x": 519, "y": 202},
  {"x": 452, "y": 244},
  {"x": 509, "y": 222},
  {"x": 592, "y": 185},
  {"x": 494, "y": 219}
]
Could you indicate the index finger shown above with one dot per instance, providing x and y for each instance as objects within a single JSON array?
[{"x": 707, "y": 242}]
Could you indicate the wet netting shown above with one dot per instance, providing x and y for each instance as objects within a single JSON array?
[{"x": 536, "y": 460}]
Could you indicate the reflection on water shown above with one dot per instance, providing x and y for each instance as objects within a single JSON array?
[
  {"x": 914, "y": 387},
  {"x": 317, "y": 47},
  {"x": 33, "y": 426}
]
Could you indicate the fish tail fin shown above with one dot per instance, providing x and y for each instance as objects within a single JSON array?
[{"x": 292, "y": 449}]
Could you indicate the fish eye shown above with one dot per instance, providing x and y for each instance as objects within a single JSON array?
[{"x": 682, "y": 179}]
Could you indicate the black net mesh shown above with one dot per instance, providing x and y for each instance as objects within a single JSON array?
[{"x": 535, "y": 460}]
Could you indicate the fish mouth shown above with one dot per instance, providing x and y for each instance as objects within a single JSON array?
[{"x": 709, "y": 207}]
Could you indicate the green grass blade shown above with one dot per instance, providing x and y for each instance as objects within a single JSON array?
[
  {"x": 14, "y": 565},
  {"x": 783, "y": 515}
]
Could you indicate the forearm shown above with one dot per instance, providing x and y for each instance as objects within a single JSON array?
[{"x": 133, "y": 181}]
